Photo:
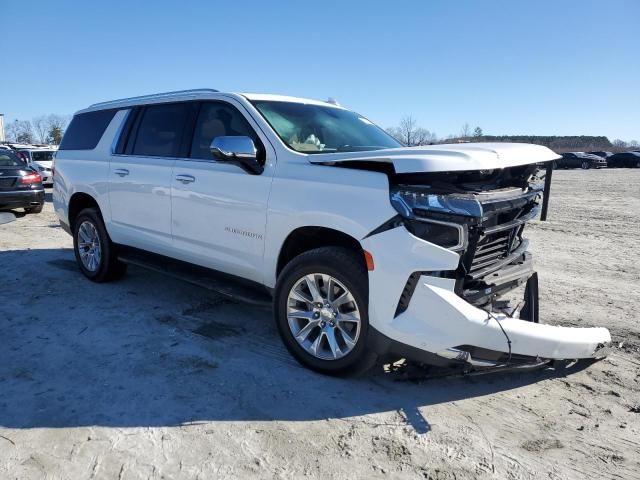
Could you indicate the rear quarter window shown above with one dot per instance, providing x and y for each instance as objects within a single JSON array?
[{"x": 86, "y": 130}]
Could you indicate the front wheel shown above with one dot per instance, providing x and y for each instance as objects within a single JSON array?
[
  {"x": 95, "y": 253},
  {"x": 585, "y": 165},
  {"x": 321, "y": 312}
]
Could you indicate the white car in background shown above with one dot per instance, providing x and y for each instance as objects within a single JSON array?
[
  {"x": 366, "y": 248},
  {"x": 42, "y": 159}
]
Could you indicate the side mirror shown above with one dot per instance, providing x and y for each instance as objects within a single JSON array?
[{"x": 239, "y": 150}]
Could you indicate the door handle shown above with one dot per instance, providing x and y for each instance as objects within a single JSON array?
[
  {"x": 185, "y": 179},
  {"x": 123, "y": 172}
]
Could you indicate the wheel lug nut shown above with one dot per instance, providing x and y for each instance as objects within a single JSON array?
[{"x": 316, "y": 315}]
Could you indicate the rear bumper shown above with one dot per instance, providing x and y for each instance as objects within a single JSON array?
[
  {"x": 438, "y": 321},
  {"x": 22, "y": 199}
]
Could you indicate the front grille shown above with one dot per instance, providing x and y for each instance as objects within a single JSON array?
[{"x": 492, "y": 248}]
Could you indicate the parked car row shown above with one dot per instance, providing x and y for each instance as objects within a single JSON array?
[
  {"x": 601, "y": 159},
  {"x": 39, "y": 156},
  {"x": 20, "y": 183}
]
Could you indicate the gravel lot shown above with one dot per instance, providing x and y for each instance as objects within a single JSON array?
[{"x": 154, "y": 378}]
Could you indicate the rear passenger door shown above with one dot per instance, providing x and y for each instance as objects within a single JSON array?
[
  {"x": 219, "y": 210},
  {"x": 140, "y": 174}
]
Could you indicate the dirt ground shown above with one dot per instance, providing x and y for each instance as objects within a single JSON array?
[{"x": 150, "y": 377}]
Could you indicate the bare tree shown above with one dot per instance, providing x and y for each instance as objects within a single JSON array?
[
  {"x": 20, "y": 131},
  {"x": 619, "y": 143},
  {"x": 12, "y": 130},
  {"x": 465, "y": 131},
  {"x": 41, "y": 126},
  {"x": 634, "y": 144},
  {"x": 477, "y": 132},
  {"x": 409, "y": 133}
]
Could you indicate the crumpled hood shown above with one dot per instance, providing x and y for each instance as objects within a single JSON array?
[{"x": 447, "y": 157}]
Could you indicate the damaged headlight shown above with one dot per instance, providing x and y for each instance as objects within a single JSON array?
[
  {"x": 407, "y": 202},
  {"x": 432, "y": 217}
]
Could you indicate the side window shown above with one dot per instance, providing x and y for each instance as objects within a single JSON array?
[
  {"x": 42, "y": 156},
  {"x": 86, "y": 129},
  {"x": 160, "y": 131},
  {"x": 219, "y": 120}
]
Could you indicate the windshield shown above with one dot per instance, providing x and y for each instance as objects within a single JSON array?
[
  {"x": 323, "y": 129},
  {"x": 10, "y": 159}
]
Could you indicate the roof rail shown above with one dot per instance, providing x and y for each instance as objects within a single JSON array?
[{"x": 154, "y": 96}]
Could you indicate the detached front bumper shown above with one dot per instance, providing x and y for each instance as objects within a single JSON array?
[{"x": 444, "y": 326}]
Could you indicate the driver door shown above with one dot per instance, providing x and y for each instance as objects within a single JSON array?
[{"x": 218, "y": 209}]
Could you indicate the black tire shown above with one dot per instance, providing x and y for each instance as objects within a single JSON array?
[
  {"x": 347, "y": 267},
  {"x": 109, "y": 267},
  {"x": 36, "y": 209},
  {"x": 586, "y": 165}
]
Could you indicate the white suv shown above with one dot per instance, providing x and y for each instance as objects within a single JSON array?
[{"x": 366, "y": 247}]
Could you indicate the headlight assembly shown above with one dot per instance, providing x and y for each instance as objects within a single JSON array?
[{"x": 429, "y": 216}]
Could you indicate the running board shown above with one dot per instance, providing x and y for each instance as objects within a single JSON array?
[{"x": 230, "y": 286}]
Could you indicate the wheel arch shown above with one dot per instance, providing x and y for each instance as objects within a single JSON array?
[
  {"x": 306, "y": 238},
  {"x": 78, "y": 202}
]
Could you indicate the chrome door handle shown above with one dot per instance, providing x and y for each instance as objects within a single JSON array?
[
  {"x": 123, "y": 172},
  {"x": 185, "y": 179}
]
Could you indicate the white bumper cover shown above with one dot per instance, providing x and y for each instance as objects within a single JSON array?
[{"x": 437, "y": 319}]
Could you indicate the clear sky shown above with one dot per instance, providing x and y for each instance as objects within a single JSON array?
[{"x": 544, "y": 67}]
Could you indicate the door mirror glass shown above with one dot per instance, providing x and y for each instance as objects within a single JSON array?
[
  {"x": 237, "y": 149},
  {"x": 233, "y": 148}
]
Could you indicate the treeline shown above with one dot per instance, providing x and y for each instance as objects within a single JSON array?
[
  {"x": 556, "y": 143},
  {"x": 42, "y": 129},
  {"x": 411, "y": 134}
]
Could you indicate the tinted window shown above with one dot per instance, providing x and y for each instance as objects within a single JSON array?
[
  {"x": 86, "y": 129},
  {"x": 42, "y": 156},
  {"x": 219, "y": 120},
  {"x": 160, "y": 130},
  {"x": 10, "y": 159}
]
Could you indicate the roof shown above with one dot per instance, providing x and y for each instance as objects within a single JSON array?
[{"x": 196, "y": 93}]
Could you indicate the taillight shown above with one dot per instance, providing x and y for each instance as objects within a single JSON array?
[{"x": 30, "y": 179}]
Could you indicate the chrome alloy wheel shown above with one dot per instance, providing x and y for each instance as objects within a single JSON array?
[
  {"x": 323, "y": 316},
  {"x": 89, "y": 246}
]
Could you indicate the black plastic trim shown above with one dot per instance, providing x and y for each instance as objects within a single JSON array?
[{"x": 387, "y": 347}]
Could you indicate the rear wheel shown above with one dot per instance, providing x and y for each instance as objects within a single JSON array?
[
  {"x": 321, "y": 312},
  {"x": 95, "y": 253}
]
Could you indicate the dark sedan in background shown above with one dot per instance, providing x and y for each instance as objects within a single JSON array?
[
  {"x": 625, "y": 159},
  {"x": 602, "y": 154},
  {"x": 580, "y": 160},
  {"x": 20, "y": 184}
]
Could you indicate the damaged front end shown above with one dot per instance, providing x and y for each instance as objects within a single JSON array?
[
  {"x": 468, "y": 313},
  {"x": 484, "y": 222}
]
